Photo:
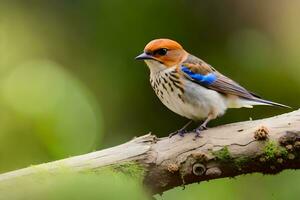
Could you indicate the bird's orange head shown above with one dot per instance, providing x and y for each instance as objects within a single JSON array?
[{"x": 167, "y": 52}]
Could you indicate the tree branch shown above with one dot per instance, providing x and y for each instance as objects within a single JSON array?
[{"x": 267, "y": 146}]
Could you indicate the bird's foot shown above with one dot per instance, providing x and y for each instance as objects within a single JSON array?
[
  {"x": 180, "y": 132},
  {"x": 198, "y": 131}
]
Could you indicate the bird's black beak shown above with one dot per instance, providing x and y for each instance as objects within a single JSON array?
[{"x": 144, "y": 56}]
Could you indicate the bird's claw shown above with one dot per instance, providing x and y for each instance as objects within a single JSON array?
[
  {"x": 198, "y": 131},
  {"x": 180, "y": 132}
]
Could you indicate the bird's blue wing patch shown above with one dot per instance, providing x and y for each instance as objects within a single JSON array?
[{"x": 207, "y": 79}]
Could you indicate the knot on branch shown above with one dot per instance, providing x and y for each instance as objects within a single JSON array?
[
  {"x": 297, "y": 145},
  {"x": 213, "y": 172},
  {"x": 291, "y": 156},
  {"x": 262, "y": 133},
  {"x": 200, "y": 157},
  {"x": 198, "y": 169},
  {"x": 172, "y": 167},
  {"x": 290, "y": 138},
  {"x": 291, "y": 142}
]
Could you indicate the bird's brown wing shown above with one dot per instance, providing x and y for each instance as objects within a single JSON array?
[{"x": 202, "y": 73}]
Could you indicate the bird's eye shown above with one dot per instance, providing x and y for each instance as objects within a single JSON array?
[{"x": 162, "y": 51}]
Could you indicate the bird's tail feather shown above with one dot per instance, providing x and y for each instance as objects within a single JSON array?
[{"x": 266, "y": 102}]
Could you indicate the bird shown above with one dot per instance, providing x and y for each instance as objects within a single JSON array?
[{"x": 192, "y": 88}]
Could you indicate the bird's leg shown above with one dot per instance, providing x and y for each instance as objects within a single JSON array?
[
  {"x": 202, "y": 127},
  {"x": 181, "y": 131}
]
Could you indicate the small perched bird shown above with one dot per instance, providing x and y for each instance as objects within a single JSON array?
[{"x": 192, "y": 88}]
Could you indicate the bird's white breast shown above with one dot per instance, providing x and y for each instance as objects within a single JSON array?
[
  {"x": 193, "y": 102},
  {"x": 203, "y": 102}
]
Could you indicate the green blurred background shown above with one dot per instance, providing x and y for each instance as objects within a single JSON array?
[{"x": 69, "y": 83}]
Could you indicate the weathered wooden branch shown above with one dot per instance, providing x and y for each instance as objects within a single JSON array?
[{"x": 266, "y": 146}]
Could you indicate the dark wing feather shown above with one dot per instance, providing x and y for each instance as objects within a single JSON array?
[
  {"x": 225, "y": 85},
  {"x": 203, "y": 74},
  {"x": 222, "y": 83}
]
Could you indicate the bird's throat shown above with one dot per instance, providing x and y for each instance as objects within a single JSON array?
[{"x": 155, "y": 66}]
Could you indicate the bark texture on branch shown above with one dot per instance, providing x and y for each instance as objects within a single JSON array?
[{"x": 267, "y": 146}]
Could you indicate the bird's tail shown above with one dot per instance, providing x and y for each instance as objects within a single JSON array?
[{"x": 270, "y": 103}]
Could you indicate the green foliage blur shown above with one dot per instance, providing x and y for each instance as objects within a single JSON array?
[
  {"x": 76, "y": 186},
  {"x": 69, "y": 83}
]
